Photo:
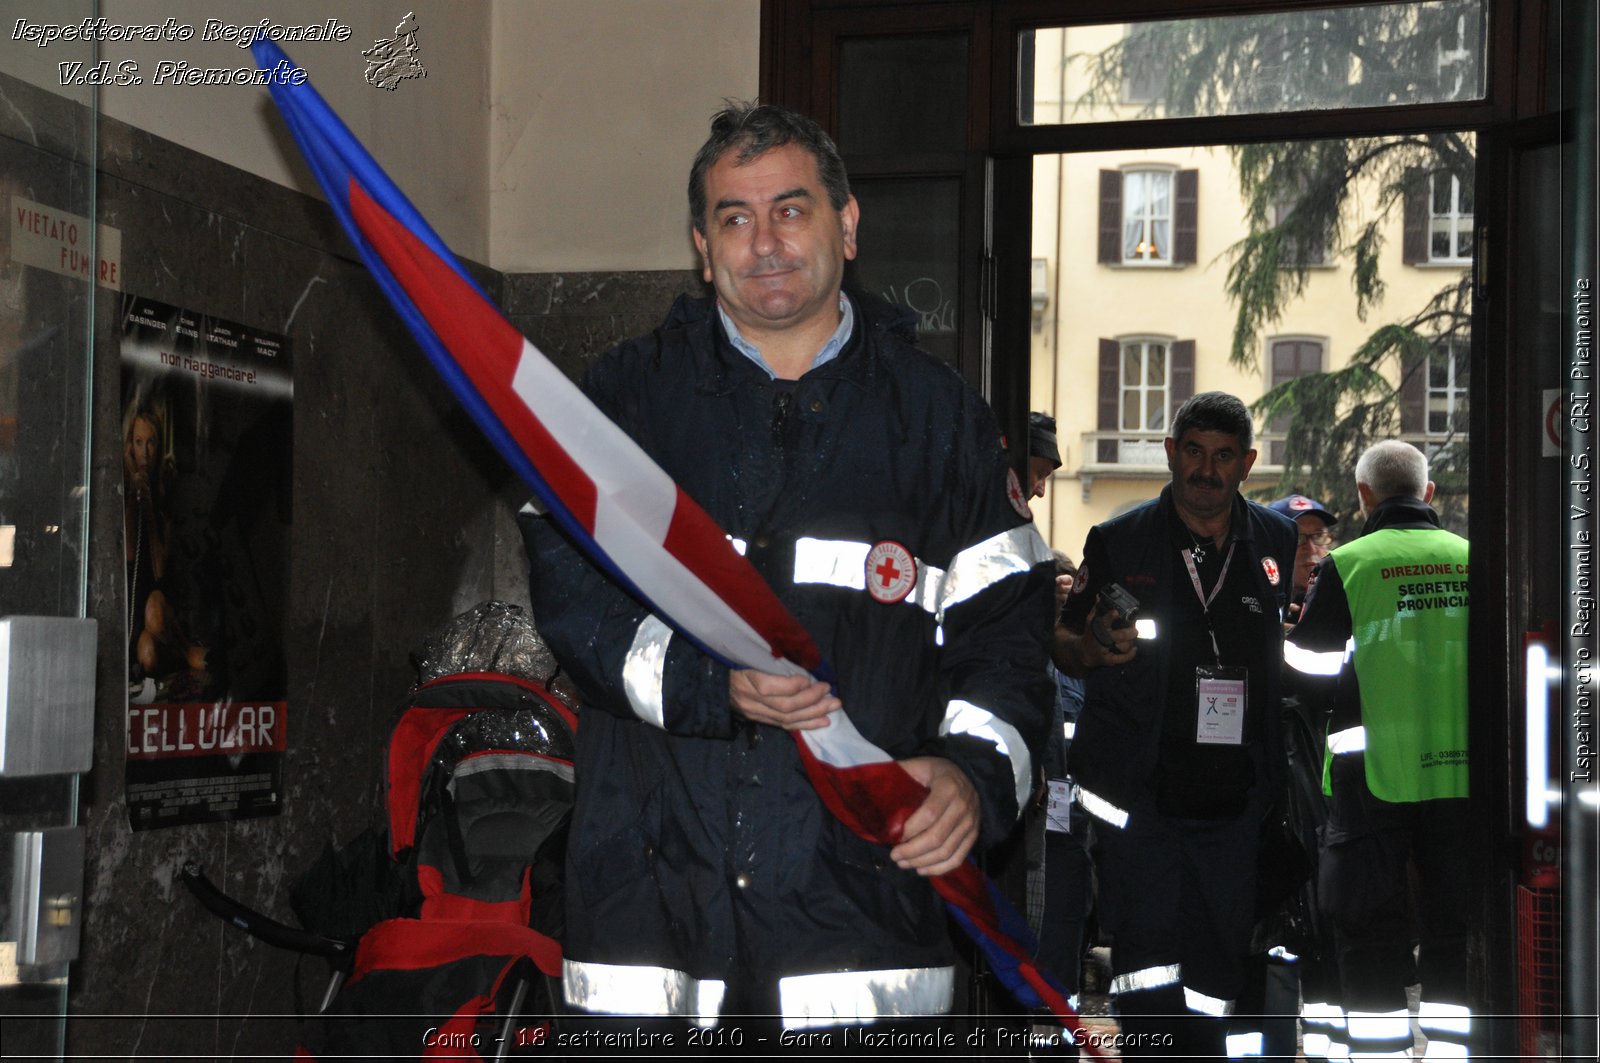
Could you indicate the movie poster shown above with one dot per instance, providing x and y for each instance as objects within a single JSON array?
[{"x": 207, "y": 458}]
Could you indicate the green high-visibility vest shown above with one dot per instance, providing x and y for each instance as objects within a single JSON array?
[{"x": 1408, "y": 607}]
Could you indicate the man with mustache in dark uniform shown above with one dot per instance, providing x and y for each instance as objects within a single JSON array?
[{"x": 1171, "y": 754}]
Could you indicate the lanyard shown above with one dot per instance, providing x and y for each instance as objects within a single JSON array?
[{"x": 1207, "y": 599}]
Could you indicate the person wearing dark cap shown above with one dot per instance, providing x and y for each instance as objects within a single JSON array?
[
  {"x": 1313, "y": 520},
  {"x": 1044, "y": 457}
]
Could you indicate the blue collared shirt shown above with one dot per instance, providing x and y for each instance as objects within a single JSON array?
[{"x": 830, "y": 350}]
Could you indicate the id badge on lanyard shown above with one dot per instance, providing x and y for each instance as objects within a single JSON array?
[
  {"x": 1221, "y": 692},
  {"x": 1058, "y": 813},
  {"x": 1221, "y": 695}
]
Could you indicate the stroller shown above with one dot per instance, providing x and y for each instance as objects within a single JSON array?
[{"x": 443, "y": 925}]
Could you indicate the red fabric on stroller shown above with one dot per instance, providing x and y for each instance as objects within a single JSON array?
[{"x": 479, "y": 780}]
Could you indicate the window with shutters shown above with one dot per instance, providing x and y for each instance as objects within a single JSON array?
[
  {"x": 1446, "y": 410},
  {"x": 1438, "y": 220},
  {"x": 1143, "y": 380},
  {"x": 1289, "y": 358},
  {"x": 1149, "y": 216},
  {"x": 1449, "y": 219},
  {"x": 1433, "y": 392}
]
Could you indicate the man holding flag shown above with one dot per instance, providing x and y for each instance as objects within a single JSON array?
[{"x": 707, "y": 878}]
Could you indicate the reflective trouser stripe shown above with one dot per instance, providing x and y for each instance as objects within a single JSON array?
[
  {"x": 1323, "y": 1028},
  {"x": 806, "y": 1000},
  {"x": 1207, "y": 1005},
  {"x": 1321, "y": 1013},
  {"x": 1447, "y": 1027},
  {"x": 626, "y": 989},
  {"x": 963, "y": 717},
  {"x": 1171, "y": 974},
  {"x": 1245, "y": 1045},
  {"x": 861, "y": 996},
  {"x": 1099, "y": 807},
  {"x": 1349, "y": 740},
  {"x": 1321, "y": 1046},
  {"x": 644, "y": 670},
  {"x": 1147, "y": 978},
  {"x": 1444, "y": 1018},
  {"x": 1379, "y": 1035}
]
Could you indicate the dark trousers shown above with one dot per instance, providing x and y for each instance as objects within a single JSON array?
[
  {"x": 1371, "y": 849},
  {"x": 1067, "y": 883},
  {"x": 1178, "y": 898}
]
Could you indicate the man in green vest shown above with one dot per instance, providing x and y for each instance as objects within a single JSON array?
[{"x": 1388, "y": 614}]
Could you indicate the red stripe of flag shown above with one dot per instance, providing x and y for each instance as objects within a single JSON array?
[{"x": 481, "y": 341}]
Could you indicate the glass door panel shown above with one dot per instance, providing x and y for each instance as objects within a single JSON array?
[
  {"x": 1234, "y": 293},
  {"x": 47, "y": 287}
]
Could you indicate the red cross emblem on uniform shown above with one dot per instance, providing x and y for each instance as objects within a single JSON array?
[
  {"x": 1019, "y": 501},
  {"x": 1270, "y": 567},
  {"x": 891, "y": 572}
]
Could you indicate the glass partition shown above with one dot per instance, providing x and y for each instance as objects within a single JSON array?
[
  {"x": 48, "y": 267},
  {"x": 1312, "y": 59}
]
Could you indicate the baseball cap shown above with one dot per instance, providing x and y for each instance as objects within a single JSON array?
[
  {"x": 1042, "y": 438},
  {"x": 1299, "y": 506}
]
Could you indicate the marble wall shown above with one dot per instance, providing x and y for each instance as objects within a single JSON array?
[{"x": 401, "y": 518}]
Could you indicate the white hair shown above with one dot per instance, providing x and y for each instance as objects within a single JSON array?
[{"x": 1393, "y": 469}]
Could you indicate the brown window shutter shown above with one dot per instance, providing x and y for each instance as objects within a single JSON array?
[
  {"x": 1181, "y": 372},
  {"x": 1414, "y": 239},
  {"x": 1110, "y": 217},
  {"x": 1413, "y": 394},
  {"x": 1186, "y": 217},
  {"x": 1110, "y": 398}
]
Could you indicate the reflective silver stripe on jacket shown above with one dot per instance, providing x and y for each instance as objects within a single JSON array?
[
  {"x": 1317, "y": 662},
  {"x": 1148, "y": 978},
  {"x": 987, "y": 563},
  {"x": 644, "y": 670},
  {"x": 843, "y": 563},
  {"x": 625, "y": 989},
  {"x": 1207, "y": 1005},
  {"x": 862, "y": 996},
  {"x": 838, "y": 562},
  {"x": 1099, "y": 807},
  {"x": 963, "y": 717},
  {"x": 1349, "y": 740}
]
